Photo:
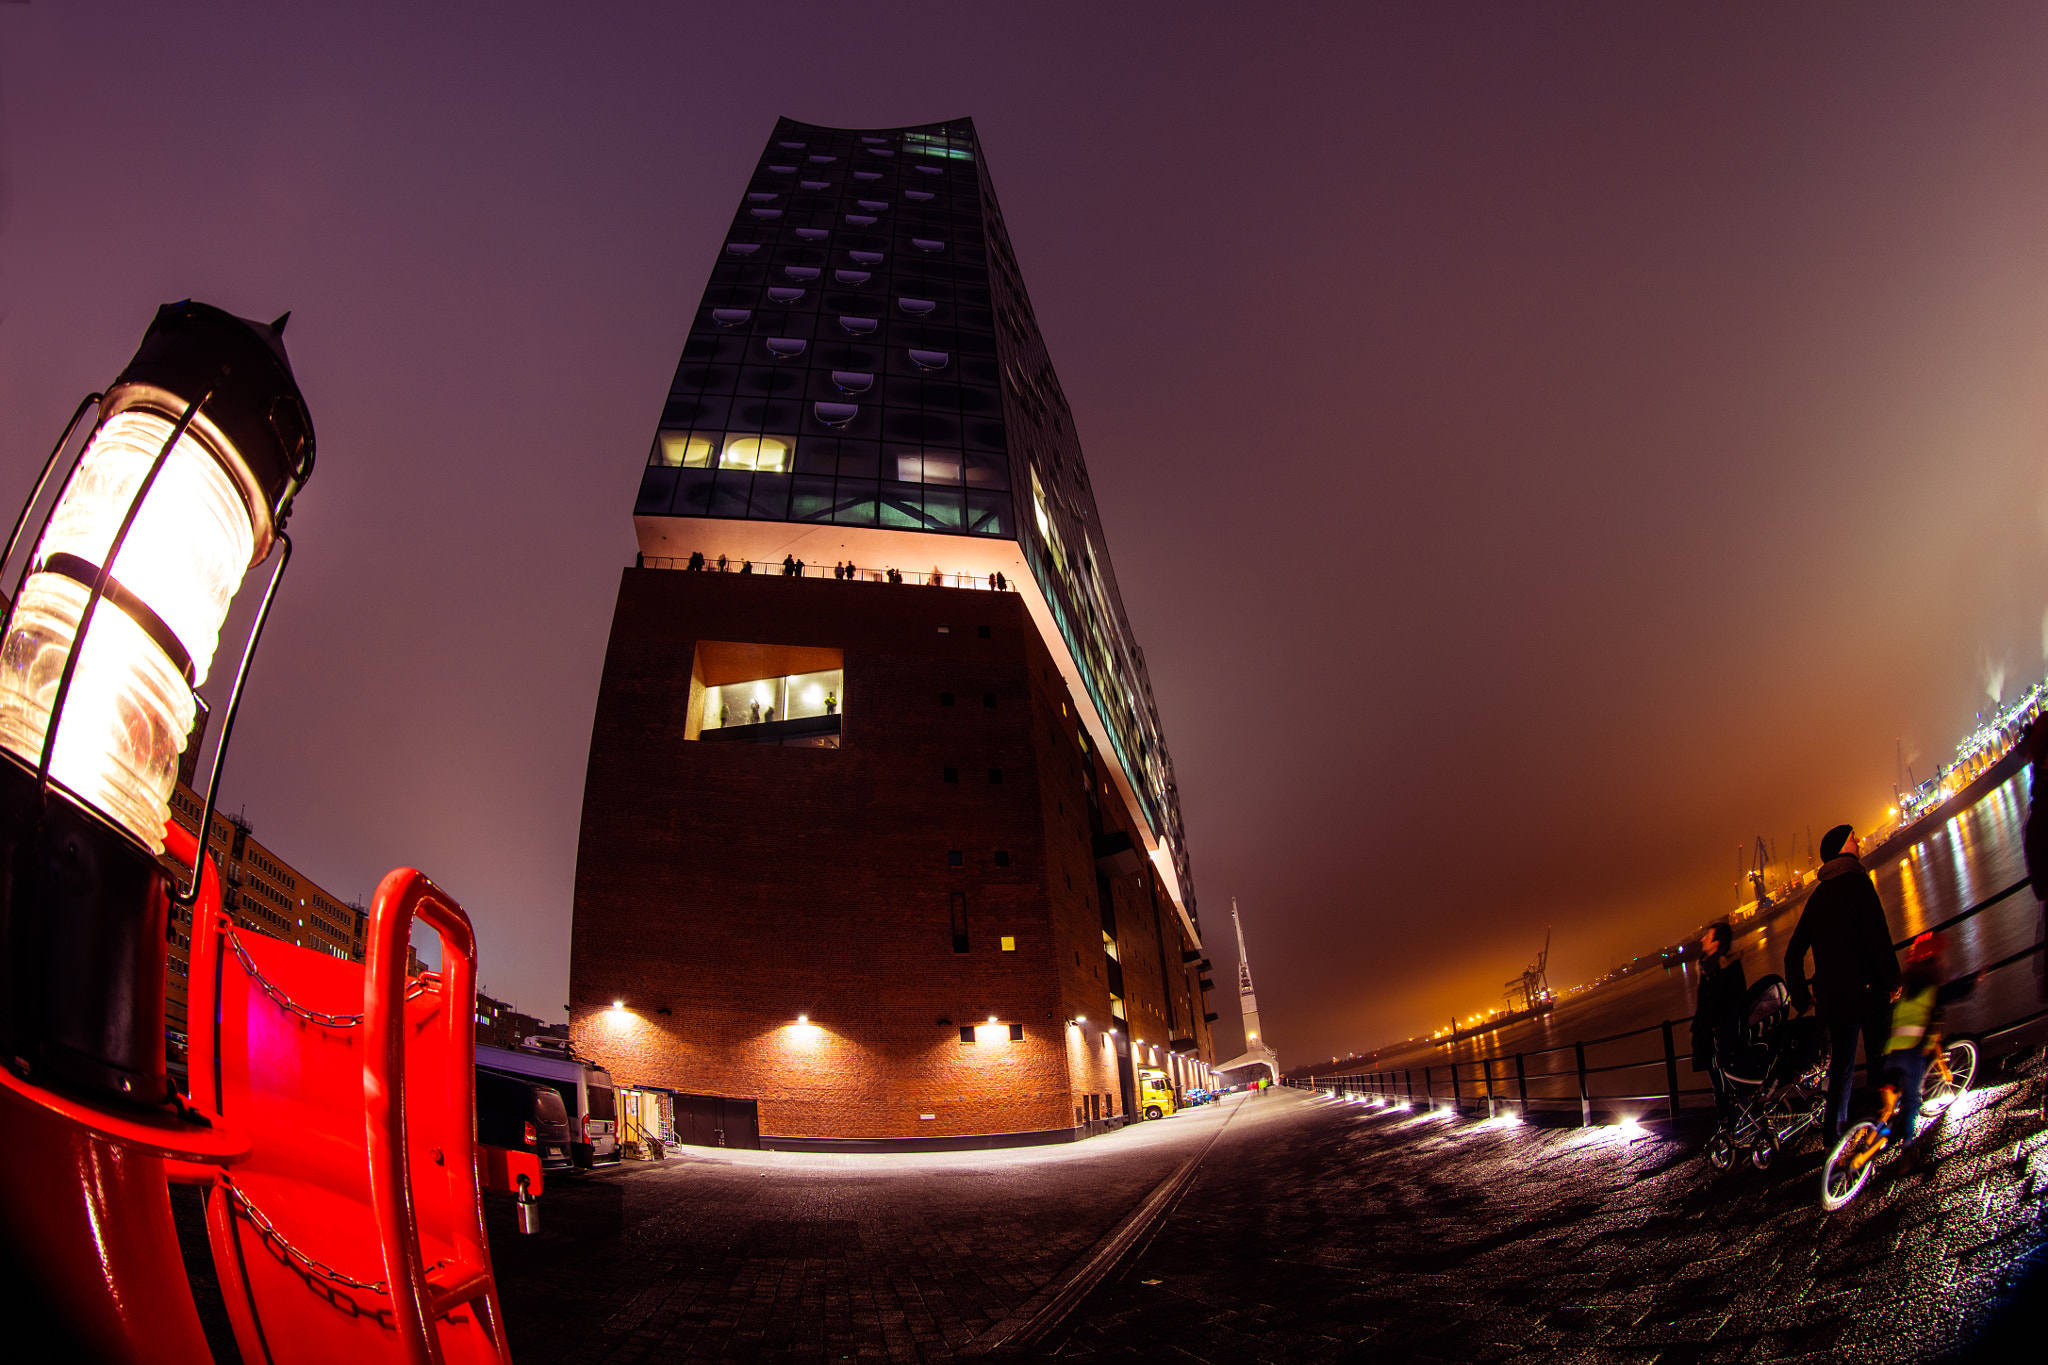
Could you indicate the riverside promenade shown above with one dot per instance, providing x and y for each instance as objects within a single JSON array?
[{"x": 1289, "y": 1227}]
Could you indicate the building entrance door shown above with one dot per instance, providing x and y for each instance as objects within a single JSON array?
[{"x": 1127, "y": 1080}]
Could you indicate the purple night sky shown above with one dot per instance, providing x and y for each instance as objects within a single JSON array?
[{"x": 1542, "y": 448}]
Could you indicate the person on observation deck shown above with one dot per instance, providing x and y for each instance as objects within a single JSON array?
[{"x": 1854, "y": 967}]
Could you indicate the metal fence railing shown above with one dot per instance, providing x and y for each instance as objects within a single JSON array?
[
  {"x": 1507, "y": 1078},
  {"x": 792, "y": 567}
]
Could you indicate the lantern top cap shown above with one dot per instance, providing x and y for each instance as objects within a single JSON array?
[{"x": 254, "y": 419}]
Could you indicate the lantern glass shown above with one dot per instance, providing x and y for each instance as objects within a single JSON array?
[{"x": 129, "y": 709}]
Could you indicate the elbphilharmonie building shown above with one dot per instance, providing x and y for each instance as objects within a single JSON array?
[{"x": 880, "y": 842}]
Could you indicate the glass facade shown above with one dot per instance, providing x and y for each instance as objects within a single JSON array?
[{"x": 865, "y": 354}]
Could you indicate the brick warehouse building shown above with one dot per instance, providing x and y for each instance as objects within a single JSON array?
[{"x": 879, "y": 829}]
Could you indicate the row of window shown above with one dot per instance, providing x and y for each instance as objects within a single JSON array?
[
  {"x": 957, "y": 857},
  {"x": 759, "y": 453},
  {"x": 860, "y": 256},
  {"x": 738, "y": 495},
  {"x": 916, "y": 428},
  {"x": 763, "y": 198}
]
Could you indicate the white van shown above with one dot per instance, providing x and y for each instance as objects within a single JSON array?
[{"x": 585, "y": 1088}]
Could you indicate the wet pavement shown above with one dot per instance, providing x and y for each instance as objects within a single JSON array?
[{"x": 1306, "y": 1229}]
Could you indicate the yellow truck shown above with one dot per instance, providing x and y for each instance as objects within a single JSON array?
[{"x": 1155, "y": 1095}]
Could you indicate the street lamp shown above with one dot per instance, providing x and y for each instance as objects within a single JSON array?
[{"x": 183, "y": 486}]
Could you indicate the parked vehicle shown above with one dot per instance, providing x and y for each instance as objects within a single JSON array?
[
  {"x": 522, "y": 1115},
  {"x": 585, "y": 1088},
  {"x": 1155, "y": 1094},
  {"x": 1197, "y": 1095}
]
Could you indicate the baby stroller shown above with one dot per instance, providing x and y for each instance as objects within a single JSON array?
[{"x": 1772, "y": 1065}]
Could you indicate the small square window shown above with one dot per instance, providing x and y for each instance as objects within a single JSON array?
[
  {"x": 1002, "y": 857},
  {"x": 967, "y": 1033},
  {"x": 945, "y": 698},
  {"x": 1009, "y": 944},
  {"x": 1016, "y": 1033},
  {"x": 982, "y": 631},
  {"x": 952, "y": 774},
  {"x": 988, "y": 700},
  {"x": 995, "y": 777},
  {"x": 953, "y": 858}
]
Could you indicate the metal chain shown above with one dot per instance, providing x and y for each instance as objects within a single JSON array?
[
  {"x": 312, "y": 1263},
  {"x": 283, "y": 1001},
  {"x": 426, "y": 983},
  {"x": 270, "y": 1233}
]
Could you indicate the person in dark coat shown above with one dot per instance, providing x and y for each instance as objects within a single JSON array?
[
  {"x": 2037, "y": 843},
  {"x": 1854, "y": 967},
  {"x": 1721, "y": 987}
]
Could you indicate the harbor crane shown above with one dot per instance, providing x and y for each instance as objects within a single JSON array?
[{"x": 1534, "y": 982}]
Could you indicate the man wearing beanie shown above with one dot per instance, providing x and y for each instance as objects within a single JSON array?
[{"x": 1854, "y": 967}]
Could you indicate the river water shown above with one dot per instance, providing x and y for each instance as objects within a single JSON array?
[{"x": 1972, "y": 855}]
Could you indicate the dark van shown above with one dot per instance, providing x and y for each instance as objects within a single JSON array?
[{"x": 524, "y": 1115}]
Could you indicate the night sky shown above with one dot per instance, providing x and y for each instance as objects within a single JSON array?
[{"x": 1542, "y": 448}]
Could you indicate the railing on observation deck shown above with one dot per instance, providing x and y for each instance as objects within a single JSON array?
[
  {"x": 849, "y": 572},
  {"x": 1504, "y": 1078}
]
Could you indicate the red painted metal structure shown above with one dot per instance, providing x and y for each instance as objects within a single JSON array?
[{"x": 333, "y": 1133}]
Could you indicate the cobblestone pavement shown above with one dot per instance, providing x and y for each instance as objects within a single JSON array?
[
  {"x": 1369, "y": 1233},
  {"x": 1312, "y": 1229}
]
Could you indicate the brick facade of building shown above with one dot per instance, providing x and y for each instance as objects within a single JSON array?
[{"x": 724, "y": 890}]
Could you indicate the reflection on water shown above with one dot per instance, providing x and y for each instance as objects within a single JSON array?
[{"x": 1968, "y": 857}]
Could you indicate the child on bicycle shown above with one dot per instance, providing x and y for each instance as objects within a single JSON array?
[{"x": 1924, "y": 990}]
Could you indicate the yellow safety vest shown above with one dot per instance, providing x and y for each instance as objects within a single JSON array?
[{"x": 1910, "y": 1019}]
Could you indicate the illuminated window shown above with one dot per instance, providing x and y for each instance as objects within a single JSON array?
[
  {"x": 938, "y": 145},
  {"x": 686, "y": 449},
  {"x": 734, "y": 698},
  {"x": 761, "y": 454},
  {"x": 1010, "y": 946}
]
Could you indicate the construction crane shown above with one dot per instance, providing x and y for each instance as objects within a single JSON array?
[
  {"x": 1756, "y": 873},
  {"x": 1534, "y": 982}
]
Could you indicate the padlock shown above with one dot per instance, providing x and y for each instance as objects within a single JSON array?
[{"x": 528, "y": 1206}]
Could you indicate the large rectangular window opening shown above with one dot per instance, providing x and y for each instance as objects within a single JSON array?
[{"x": 788, "y": 695}]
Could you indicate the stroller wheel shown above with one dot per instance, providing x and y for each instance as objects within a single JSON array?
[
  {"x": 1720, "y": 1152},
  {"x": 1761, "y": 1155}
]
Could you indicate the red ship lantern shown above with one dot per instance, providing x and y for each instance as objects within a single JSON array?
[{"x": 331, "y": 1123}]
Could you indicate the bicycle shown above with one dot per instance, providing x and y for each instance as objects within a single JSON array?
[{"x": 1849, "y": 1164}]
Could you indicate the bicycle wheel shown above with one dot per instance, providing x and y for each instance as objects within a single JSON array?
[
  {"x": 1962, "y": 1067},
  {"x": 1848, "y": 1166}
]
